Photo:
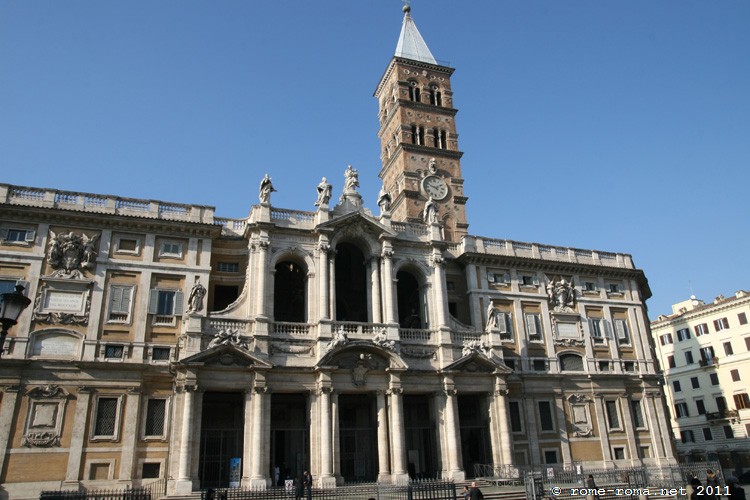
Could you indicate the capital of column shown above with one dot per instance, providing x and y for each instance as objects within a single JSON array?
[
  {"x": 135, "y": 390},
  {"x": 395, "y": 391},
  {"x": 261, "y": 390},
  {"x": 324, "y": 247},
  {"x": 450, "y": 392},
  {"x": 10, "y": 388},
  {"x": 501, "y": 392},
  {"x": 85, "y": 389},
  {"x": 324, "y": 390},
  {"x": 386, "y": 253},
  {"x": 437, "y": 261},
  {"x": 187, "y": 387}
]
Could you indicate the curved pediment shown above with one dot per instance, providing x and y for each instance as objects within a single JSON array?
[
  {"x": 476, "y": 362},
  {"x": 349, "y": 355},
  {"x": 226, "y": 355}
]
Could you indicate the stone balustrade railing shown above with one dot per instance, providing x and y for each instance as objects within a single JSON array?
[
  {"x": 104, "y": 204},
  {"x": 291, "y": 329},
  {"x": 415, "y": 334},
  {"x": 229, "y": 325},
  {"x": 355, "y": 328}
]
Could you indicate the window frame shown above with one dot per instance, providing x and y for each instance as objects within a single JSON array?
[
  {"x": 550, "y": 407},
  {"x": 162, "y": 318},
  {"x": 683, "y": 334},
  {"x": 121, "y": 251},
  {"x": 93, "y": 436},
  {"x": 167, "y": 253},
  {"x": 538, "y": 335},
  {"x": 622, "y": 331},
  {"x": 110, "y": 298},
  {"x": 29, "y": 236},
  {"x": 609, "y": 405},
  {"x": 144, "y": 418}
]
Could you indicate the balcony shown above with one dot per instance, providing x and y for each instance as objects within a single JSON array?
[
  {"x": 723, "y": 415},
  {"x": 704, "y": 363}
]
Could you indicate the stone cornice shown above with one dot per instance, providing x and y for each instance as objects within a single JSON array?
[{"x": 707, "y": 310}]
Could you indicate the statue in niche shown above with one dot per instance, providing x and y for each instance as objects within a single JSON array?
[
  {"x": 351, "y": 180},
  {"x": 195, "y": 299},
  {"x": 265, "y": 190},
  {"x": 69, "y": 253},
  {"x": 561, "y": 294},
  {"x": 492, "y": 318},
  {"x": 384, "y": 200},
  {"x": 430, "y": 213},
  {"x": 324, "y": 193}
]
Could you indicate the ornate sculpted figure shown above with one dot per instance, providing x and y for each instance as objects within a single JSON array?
[
  {"x": 351, "y": 180},
  {"x": 265, "y": 190},
  {"x": 433, "y": 166},
  {"x": 470, "y": 346},
  {"x": 339, "y": 339},
  {"x": 384, "y": 200},
  {"x": 561, "y": 295},
  {"x": 491, "y": 318},
  {"x": 226, "y": 337},
  {"x": 430, "y": 212},
  {"x": 324, "y": 193},
  {"x": 195, "y": 299},
  {"x": 381, "y": 339},
  {"x": 69, "y": 253}
]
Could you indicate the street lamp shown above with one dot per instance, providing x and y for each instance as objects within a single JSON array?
[{"x": 13, "y": 304}]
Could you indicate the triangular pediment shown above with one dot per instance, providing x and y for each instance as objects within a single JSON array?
[
  {"x": 227, "y": 355},
  {"x": 357, "y": 222},
  {"x": 476, "y": 362}
]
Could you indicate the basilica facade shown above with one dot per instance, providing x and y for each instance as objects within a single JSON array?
[{"x": 166, "y": 342}]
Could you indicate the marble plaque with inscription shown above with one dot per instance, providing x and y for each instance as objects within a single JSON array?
[{"x": 63, "y": 301}]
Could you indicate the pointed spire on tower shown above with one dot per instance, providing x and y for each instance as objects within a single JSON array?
[{"x": 411, "y": 45}]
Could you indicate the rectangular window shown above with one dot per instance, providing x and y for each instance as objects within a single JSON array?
[
  {"x": 510, "y": 363},
  {"x": 683, "y": 334},
  {"x": 728, "y": 432},
  {"x": 604, "y": 366},
  {"x": 228, "y": 267},
  {"x": 735, "y": 375},
  {"x": 721, "y": 403},
  {"x": 613, "y": 418},
  {"x": 700, "y": 406},
  {"x": 545, "y": 416},
  {"x": 498, "y": 277},
  {"x": 515, "y": 416},
  {"x": 595, "y": 327},
  {"x": 676, "y": 385},
  {"x": 170, "y": 249},
  {"x": 670, "y": 362},
  {"x": 550, "y": 456},
  {"x": 689, "y": 358},
  {"x": 114, "y": 351},
  {"x": 539, "y": 365},
  {"x": 721, "y": 324},
  {"x": 14, "y": 235},
  {"x": 728, "y": 349},
  {"x": 534, "y": 327},
  {"x": 707, "y": 355},
  {"x": 589, "y": 286},
  {"x": 741, "y": 401},
  {"x": 505, "y": 325},
  {"x": 160, "y": 353},
  {"x": 687, "y": 436},
  {"x": 694, "y": 382},
  {"x": 681, "y": 410},
  {"x": 120, "y": 303},
  {"x": 151, "y": 470},
  {"x": 622, "y": 332},
  {"x": 714, "y": 378},
  {"x": 105, "y": 419},
  {"x": 707, "y": 436},
  {"x": 131, "y": 246},
  {"x": 742, "y": 317},
  {"x": 637, "y": 411},
  {"x": 747, "y": 343},
  {"x": 619, "y": 453},
  {"x": 165, "y": 304},
  {"x": 666, "y": 339},
  {"x": 614, "y": 288},
  {"x": 156, "y": 411},
  {"x": 701, "y": 329},
  {"x": 529, "y": 280}
]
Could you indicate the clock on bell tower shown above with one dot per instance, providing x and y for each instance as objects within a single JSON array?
[{"x": 418, "y": 139}]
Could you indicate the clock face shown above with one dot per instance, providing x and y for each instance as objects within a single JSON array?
[{"x": 435, "y": 186}]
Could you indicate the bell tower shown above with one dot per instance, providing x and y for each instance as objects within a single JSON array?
[{"x": 418, "y": 139}]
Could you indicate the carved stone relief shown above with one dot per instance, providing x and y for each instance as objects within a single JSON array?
[
  {"x": 71, "y": 253},
  {"x": 45, "y": 416},
  {"x": 580, "y": 415}
]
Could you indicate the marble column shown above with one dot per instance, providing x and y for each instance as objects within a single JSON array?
[
  {"x": 247, "y": 440},
  {"x": 332, "y": 284},
  {"x": 375, "y": 286},
  {"x": 323, "y": 248},
  {"x": 398, "y": 451},
  {"x": 7, "y": 410},
  {"x": 258, "y": 477},
  {"x": 630, "y": 432},
  {"x": 389, "y": 308},
  {"x": 184, "y": 482},
  {"x": 506, "y": 439},
  {"x": 384, "y": 471},
  {"x": 326, "y": 462},
  {"x": 453, "y": 434},
  {"x": 260, "y": 292},
  {"x": 567, "y": 457},
  {"x": 532, "y": 430},
  {"x": 441, "y": 301},
  {"x": 335, "y": 449},
  {"x": 78, "y": 436},
  {"x": 130, "y": 433},
  {"x": 601, "y": 420}
]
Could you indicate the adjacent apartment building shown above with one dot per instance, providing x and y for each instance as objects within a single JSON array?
[
  {"x": 704, "y": 350},
  {"x": 166, "y": 342}
]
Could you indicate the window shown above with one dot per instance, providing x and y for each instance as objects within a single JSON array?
[
  {"x": 694, "y": 382},
  {"x": 14, "y": 235},
  {"x": 604, "y": 366},
  {"x": 151, "y": 470},
  {"x": 714, "y": 378},
  {"x": 707, "y": 436},
  {"x": 701, "y": 329},
  {"x": 131, "y": 246},
  {"x": 735, "y": 375},
  {"x": 154, "y": 425},
  {"x": 747, "y": 343},
  {"x": 728, "y": 349},
  {"x": 595, "y": 327},
  {"x": 504, "y": 325},
  {"x": 510, "y": 363},
  {"x": 689, "y": 358},
  {"x": 666, "y": 339},
  {"x": 687, "y": 436},
  {"x": 721, "y": 403},
  {"x": 120, "y": 302},
  {"x": 106, "y": 417},
  {"x": 676, "y": 386},
  {"x": 728, "y": 432},
  {"x": 701, "y": 406},
  {"x": 414, "y": 94},
  {"x": 670, "y": 362},
  {"x": 683, "y": 334},
  {"x": 160, "y": 353},
  {"x": 114, "y": 351},
  {"x": 539, "y": 365},
  {"x": 171, "y": 249},
  {"x": 165, "y": 304},
  {"x": 621, "y": 329},
  {"x": 571, "y": 363},
  {"x": 707, "y": 355},
  {"x": 721, "y": 324},
  {"x": 742, "y": 317},
  {"x": 741, "y": 401},
  {"x": 628, "y": 366},
  {"x": 645, "y": 452},
  {"x": 613, "y": 418},
  {"x": 228, "y": 267},
  {"x": 545, "y": 416},
  {"x": 681, "y": 410},
  {"x": 614, "y": 288},
  {"x": 436, "y": 98},
  {"x": 619, "y": 453},
  {"x": 589, "y": 286},
  {"x": 529, "y": 280},
  {"x": 515, "y": 416},
  {"x": 498, "y": 277},
  {"x": 534, "y": 327},
  {"x": 550, "y": 456},
  {"x": 637, "y": 411}
]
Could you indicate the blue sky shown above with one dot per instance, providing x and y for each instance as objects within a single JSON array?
[{"x": 611, "y": 125}]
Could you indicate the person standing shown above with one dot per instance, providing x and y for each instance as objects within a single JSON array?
[
  {"x": 712, "y": 485},
  {"x": 307, "y": 480},
  {"x": 475, "y": 493}
]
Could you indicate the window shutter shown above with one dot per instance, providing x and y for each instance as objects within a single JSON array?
[
  {"x": 127, "y": 295},
  {"x": 491, "y": 277},
  {"x": 153, "y": 301},
  {"x": 30, "y": 235},
  {"x": 502, "y": 324},
  {"x": 535, "y": 280},
  {"x": 620, "y": 329},
  {"x": 178, "y": 303},
  {"x": 506, "y": 278},
  {"x": 115, "y": 299},
  {"x": 607, "y": 328},
  {"x": 531, "y": 324}
]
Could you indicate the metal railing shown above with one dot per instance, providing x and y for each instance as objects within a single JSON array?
[
  {"x": 126, "y": 494},
  {"x": 414, "y": 490}
]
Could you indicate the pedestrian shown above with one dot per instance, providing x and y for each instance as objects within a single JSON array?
[
  {"x": 695, "y": 485},
  {"x": 475, "y": 493},
  {"x": 307, "y": 479},
  {"x": 466, "y": 493},
  {"x": 299, "y": 487},
  {"x": 591, "y": 487},
  {"x": 712, "y": 486},
  {"x": 734, "y": 489}
]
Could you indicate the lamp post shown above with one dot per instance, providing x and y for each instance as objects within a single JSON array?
[{"x": 13, "y": 304}]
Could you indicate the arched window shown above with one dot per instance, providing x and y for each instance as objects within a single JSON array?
[
  {"x": 290, "y": 292},
  {"x": 436, "y": 98},
  {"x": 414, "y": 94},
  {"x": 410, "y": 314},
  {"x": 351, "y": 284},
  {"x": 571, "y": 363}
]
